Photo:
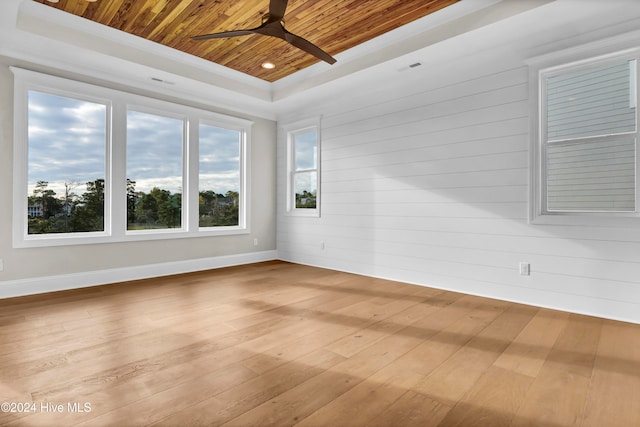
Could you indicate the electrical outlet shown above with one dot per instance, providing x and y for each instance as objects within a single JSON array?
[
  {"x": 255, "y": 242},
  {"x": 525, "y": 269}
]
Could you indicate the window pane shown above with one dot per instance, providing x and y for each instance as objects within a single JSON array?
[
  {"x": 306, "y": 150},
  {"x": 154, "y": 171},
  {"x": 66, "y": 164},
  {"x": 219, "y": 176},
  {"x": 597, "y": 101},
  {"x": 592, "y": 176},
  {"x": 306, "y": 185}
]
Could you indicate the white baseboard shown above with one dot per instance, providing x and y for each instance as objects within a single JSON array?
[{"x": 38, "y": 285}]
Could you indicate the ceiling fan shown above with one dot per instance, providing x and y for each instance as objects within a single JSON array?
[{"x": 272, "y": 25}]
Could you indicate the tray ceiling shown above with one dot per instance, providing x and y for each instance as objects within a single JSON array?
[{"x": 333, "y": 25}]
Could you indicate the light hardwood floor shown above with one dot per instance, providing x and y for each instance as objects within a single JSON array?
[{"x": 283, "y": 344}]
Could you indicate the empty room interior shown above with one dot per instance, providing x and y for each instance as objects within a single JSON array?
[{"x": 319, "y": 213}]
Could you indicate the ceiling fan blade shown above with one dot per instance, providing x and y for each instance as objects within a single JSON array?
[
  {"x": 308, "y": 47},
  {"x": 273, "y": 27},
  {"x": 277, "y": 9},
  {"x": 224, "y": 34}
]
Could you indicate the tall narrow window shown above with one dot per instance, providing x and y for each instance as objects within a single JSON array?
[
  {"x": 304, "y": 194},
  {"x": 219, "y": 176},
  {"x": 154, "y": 171},
  {"x": 66, "y": 164},
  {"x": 588, "y": 139}
]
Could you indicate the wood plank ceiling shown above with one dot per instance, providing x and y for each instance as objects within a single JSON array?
[{"x": 332, "y": 25}]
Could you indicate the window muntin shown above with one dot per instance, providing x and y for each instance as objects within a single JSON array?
[
  {"x": 154, "y": 171},
  {"x": 304, "y": 170},
  {"x": 588, "y": 138},
  {"x": 66, "y": 145},
  {"x": 116, "y": 192},
  {"x": 220, "y": 176}
]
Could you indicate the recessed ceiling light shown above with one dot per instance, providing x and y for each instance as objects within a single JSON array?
[{"x": 268, "y": 65}]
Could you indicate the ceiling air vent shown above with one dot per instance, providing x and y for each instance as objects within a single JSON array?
[
  {"x": 156, "y": 79},
  {"x": 410, "y": 66}
]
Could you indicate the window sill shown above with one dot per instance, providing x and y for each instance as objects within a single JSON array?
[
  {"x": 305, "y": 213},
  {"x": 622, "y": 220}
]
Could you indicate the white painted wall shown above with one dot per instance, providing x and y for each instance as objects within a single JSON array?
[{"x": 425, "y": 174}]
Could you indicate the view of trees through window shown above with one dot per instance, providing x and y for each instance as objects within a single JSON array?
[
  {"x": 66, "y": 168},
  {"x": 305, "y": 173},
  {"x": 219, "y": 176},
  {"x": 154, "y": 171},
  {"x": 68, "y": 212},
  {"x": 66, "y": 164}
]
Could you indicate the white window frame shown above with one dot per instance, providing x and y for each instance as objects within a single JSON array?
[
  {"x": 290, "y": 130},
  {"x": 118, "y": 102},
  {"x": 231, "y": 124},
  {"x": 185, "y": 165},
  {"x": 556, "y": 63}
]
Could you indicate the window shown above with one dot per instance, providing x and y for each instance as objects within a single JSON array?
[
  {"x": 154, "y": 171},
  {"x": 95, "y": 165},
  {"x": 220, "y": 176},
  {"x": 586, "y": 154},
  {"x": 303, "y": 170},
  {"x": 67, "y": 141}
]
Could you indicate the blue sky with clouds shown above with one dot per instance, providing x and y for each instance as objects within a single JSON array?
[
  {"x": 219, "y": 168},
  {"x": 306, "y": 157},
  {"x": 67, "y": 144},
  {"x": 154, "y": 151},
  {"x": 66, "y": 141}
]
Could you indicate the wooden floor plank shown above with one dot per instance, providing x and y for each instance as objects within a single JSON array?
[
  {"x": 412, "y": 409},
  {"x": 444, "y": 335},
  {"x": 302, "y": 400},
  {"x": 529, "y": 350},
  {"x": 557, "y": 396},
  {"x": 614, "y": 394},
  {"x": 454, "y": 378},
  {"x": 246, "y": 396},
  {"x": 492, "y": 402},
  {"x": 384, "y": 386},
  {"x": 277, "y": 343}
]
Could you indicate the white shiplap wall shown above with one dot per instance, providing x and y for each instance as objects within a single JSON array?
[{"x": 424, "y": 180}]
